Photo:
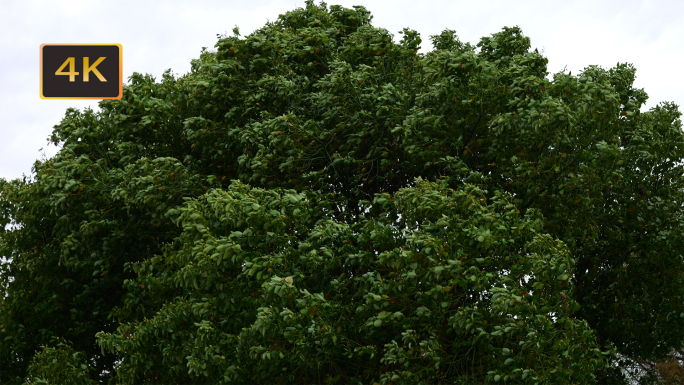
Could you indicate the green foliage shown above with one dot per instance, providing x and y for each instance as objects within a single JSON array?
[
  {"x": 58, "y": 365},
  {"x": 273, "y": 291},
  {"x": 317, "y": 202}
]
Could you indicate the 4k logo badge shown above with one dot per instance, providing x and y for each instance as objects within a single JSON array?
[{"x": 81, "y": 71}]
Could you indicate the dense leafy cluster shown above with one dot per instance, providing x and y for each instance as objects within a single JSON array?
[{"x": 317, "y": 202}]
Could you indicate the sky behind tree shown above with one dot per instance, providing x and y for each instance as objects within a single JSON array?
[{"x": 158, "y": 35}]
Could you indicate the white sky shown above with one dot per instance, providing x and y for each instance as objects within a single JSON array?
[{"x": 157, "y": 35}]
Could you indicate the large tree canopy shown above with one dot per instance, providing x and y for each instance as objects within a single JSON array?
[{"x": 317, "y": 202}]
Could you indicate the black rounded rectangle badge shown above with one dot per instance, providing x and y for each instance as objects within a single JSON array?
[{"x": 81, "y": 71}]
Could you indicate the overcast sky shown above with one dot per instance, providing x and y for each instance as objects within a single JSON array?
[{"x": 157, "y": 35}]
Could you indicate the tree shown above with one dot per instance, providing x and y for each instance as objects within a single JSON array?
[{"x": 316, "y": 202}]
